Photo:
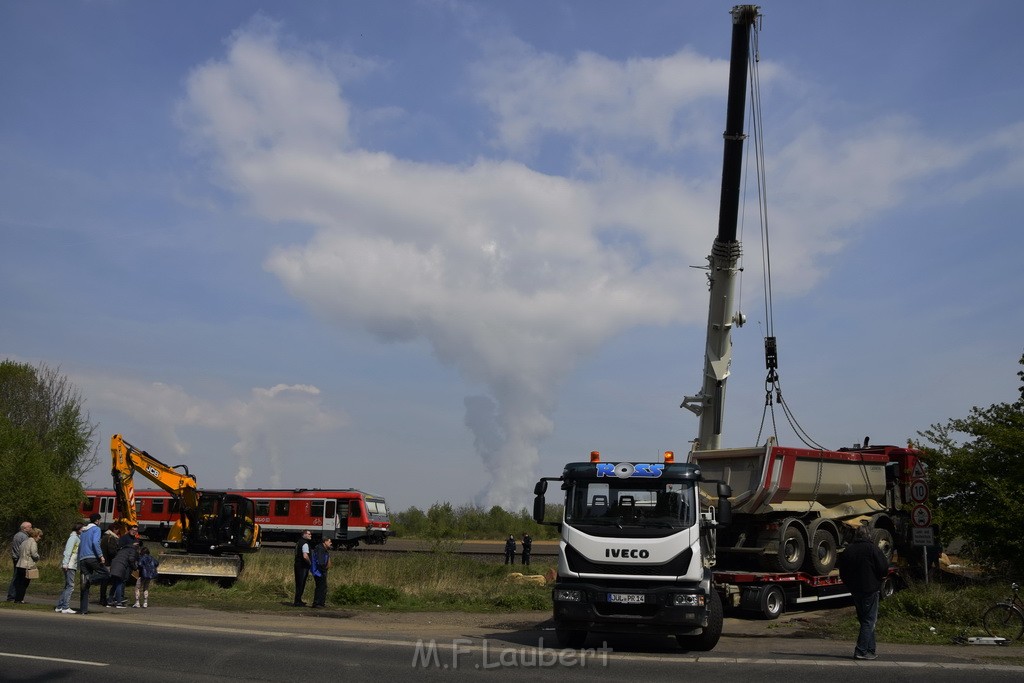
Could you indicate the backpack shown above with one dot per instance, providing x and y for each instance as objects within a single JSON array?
[{"x": 147, "y": 567}]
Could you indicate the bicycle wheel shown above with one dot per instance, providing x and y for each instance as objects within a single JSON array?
[{"x": 1003, "y": 621}]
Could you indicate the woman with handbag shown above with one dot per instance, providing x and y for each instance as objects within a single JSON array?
[{"x": 28, "y": 555}]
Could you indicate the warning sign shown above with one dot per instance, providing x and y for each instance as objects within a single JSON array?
[{"x": 918, "y": 470}]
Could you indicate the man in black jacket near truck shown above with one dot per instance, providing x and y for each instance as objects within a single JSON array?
[{"x": 863, "y": 567}]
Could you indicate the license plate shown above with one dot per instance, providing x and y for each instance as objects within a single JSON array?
[{"x": 627, "y": 598}]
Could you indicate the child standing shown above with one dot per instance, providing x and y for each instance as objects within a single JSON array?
[{"x": 147, "y": 572}]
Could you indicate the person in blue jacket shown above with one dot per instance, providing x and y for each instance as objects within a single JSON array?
[{"x": 91, "y": 564}]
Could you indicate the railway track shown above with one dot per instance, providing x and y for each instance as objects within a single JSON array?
[{"x": 483, "y": 550}]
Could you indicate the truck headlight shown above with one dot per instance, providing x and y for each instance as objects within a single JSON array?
[
  {"x": 687, "y": 600},
  {"x": 567, "y": 595}
]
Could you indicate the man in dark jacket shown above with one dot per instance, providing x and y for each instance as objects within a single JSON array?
[
  {"x": 303, "y": 549},
  {"x": 510, "y": 549},
  {"x": 109, "y": 542},
  {"x": 863, "y": 567},
  {"x": 527, "y": 548}
]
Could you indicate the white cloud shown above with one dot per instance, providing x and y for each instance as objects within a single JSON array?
[{"x": 654, "y": 100}]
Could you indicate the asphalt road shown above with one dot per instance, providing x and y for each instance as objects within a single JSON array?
[{"x": 188, "y": 644}]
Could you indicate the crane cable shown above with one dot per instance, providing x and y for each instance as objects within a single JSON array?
[{"x": 773, "y": 384}]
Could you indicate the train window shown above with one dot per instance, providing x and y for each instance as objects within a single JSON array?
[
  {"x": 89, "y": 505},
  {"x": 316, "y": 508},
  {"x": 263, "y": 508},
  {"x": 329, "y": 509},
  {"x": 158, "y": 505},
  {"x": 354, "y": 509},
  {"x": 281, "y": 508},
  {"x": 138, "y": 506}
]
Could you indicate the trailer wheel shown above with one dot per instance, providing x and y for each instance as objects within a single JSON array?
[
  {"x": 707, "y": 640},
  {"x": 821, "y": 556},
  {"x": 792, "y": 548},
  {"x": 773, "y": 602},
  {"x": 571, "y": 638},
  {"x": 883, "y": 539}
]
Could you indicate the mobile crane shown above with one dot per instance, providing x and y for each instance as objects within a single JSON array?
[{"x": 215, "y": 527}]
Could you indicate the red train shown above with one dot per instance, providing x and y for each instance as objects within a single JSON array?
[{"x": 348, "y": 516}]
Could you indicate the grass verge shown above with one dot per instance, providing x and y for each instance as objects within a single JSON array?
[
  {"x": 932, "y": 614},
  {"x": 437, "y": 581}
]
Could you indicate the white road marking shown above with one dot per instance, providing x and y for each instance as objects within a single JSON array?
[{"x": 53, "y": 659}]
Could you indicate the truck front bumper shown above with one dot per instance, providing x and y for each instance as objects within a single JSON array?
[{"x": 673, "y": 610}]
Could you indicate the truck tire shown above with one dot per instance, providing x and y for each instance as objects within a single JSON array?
[
  {"x": 772, "y": 602},
  {"x": 821, "y": 555},
  {"x": 571, "y": 638},
  {"x": 707, "y": 640},
  {"x": 792, "y": 548}
]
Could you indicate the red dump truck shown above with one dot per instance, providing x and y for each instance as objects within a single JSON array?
[{"x": 793, "y": 509}]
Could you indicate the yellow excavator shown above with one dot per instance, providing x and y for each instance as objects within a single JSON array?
[{"x": 215, "y": 527}]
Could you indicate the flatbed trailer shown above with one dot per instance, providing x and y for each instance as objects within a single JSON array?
[{"x": 769, "y": 594}]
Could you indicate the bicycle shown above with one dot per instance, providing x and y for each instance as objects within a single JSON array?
[{"x": 1005, "y": 619}]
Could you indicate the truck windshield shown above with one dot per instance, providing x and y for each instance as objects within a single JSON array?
[{"x": 628, "y": 501}]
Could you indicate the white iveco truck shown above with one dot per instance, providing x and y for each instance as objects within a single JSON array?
[{"x": 636, "y": 552}]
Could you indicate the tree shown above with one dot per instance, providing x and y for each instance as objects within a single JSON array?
[
  {"x": 46, "y": 444},
  {"x": 976, "y": 473}
]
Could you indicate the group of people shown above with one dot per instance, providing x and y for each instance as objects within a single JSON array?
[
  {"x": 510, "y": 549},
  {"x": 109, "y": 559},
  {"x": 315, "y": 560}
]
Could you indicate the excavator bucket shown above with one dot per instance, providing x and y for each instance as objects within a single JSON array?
[{"x": 224, "y": 568}]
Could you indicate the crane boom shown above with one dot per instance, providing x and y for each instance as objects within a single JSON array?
[{"x": 723, "y": 262}]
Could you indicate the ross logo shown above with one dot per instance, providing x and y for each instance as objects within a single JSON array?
[
  {"x": 625, "y": 470},
  {"x": 634, "y": 553}
]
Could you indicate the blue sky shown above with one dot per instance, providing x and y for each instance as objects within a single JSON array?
[{"x": 437, "y": 249}]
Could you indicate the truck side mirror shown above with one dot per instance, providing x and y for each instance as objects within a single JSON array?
[
  {"x": 724, "y": 516},
  {"x": 541, "y": 488},
  {"x": 538, "y": 507}
]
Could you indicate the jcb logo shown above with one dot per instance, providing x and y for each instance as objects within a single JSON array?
[{"x": 633, "y": 553}]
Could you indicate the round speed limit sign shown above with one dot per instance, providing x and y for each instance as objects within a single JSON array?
[{"x": 919, "y": 490}]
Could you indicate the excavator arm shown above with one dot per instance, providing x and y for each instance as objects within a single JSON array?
[{"x": 127, "y": 460}]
